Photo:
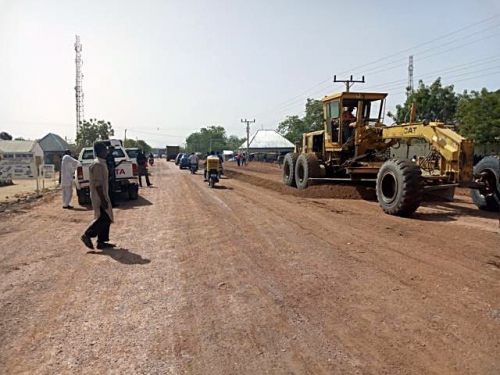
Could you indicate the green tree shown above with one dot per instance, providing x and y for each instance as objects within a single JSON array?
[
  {"x": 314, "y": 115},
  {"x": 132, "y": 143},
  {"x": 5, "y": 136},
  {"x": 207, "y": 139},
  {"x": 293, "y": 127},
  {"x": 93, "y": 130},
  {"x": 233, "y": 142},
  {"x": 434, "y": 103},
  {"x": 478, "y": 116}
]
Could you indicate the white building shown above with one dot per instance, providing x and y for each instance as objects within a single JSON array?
[{"x": 19, "y": 159}]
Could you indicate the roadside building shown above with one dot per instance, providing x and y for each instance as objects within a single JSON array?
[
  {"x": 53, "y": 147},
  {"x": 19, "y": 159},
  {"x": 266, "y": 145}
]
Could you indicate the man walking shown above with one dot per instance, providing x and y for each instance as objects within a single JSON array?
[
  {"x": 143, "y": 171},
  {"x": 68, "y": 164},
  {"x": 111, "y": 163},
  {"x": 103, "y": 212}
]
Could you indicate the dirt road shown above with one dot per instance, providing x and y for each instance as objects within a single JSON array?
[{"x": 246, "y": 280}]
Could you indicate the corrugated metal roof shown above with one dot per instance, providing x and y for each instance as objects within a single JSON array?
[
  {"x": 268, "y": 139},
  {"x": 53, "y": 143},
  {"x": 16, "y": 146}
]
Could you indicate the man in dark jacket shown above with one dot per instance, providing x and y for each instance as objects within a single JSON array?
[
  {"x": 111, "y": 163},
  {"x": 143, "y": 171}
]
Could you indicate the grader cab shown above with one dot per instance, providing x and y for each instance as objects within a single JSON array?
[{"x": 356, "y": 146}]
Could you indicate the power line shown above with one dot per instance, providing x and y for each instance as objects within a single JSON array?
[
  {"x": 300, "y": 101},
  {"x": 382, "y": 59},
  {"x": 158, "y": 134}
]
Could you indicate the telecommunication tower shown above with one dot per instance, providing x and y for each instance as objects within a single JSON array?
[
  {"x": 410, "y": 77},
  {"x": 78, "y": 86}
]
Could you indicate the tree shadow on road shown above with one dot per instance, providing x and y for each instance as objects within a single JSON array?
[{"x": 122, "y": 255}]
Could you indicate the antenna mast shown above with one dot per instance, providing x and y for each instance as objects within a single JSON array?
[{"x": 78, "y": 86}]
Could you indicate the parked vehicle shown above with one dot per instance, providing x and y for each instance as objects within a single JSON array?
[
  {"x": 172, "y": 152},
  {"x": 126, "y": 173},
  {"x": 184, "y": 162},
  {"x": 132, "y": 153},
  {"x": 178, "y": 158}
]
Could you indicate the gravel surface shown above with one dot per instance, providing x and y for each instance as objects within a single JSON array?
[{"x": 245, "y": 279}]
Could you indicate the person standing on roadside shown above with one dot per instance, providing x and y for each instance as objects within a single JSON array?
[
  {"x": 99, "y": 195},
  {"x": 111, "y": 163},
  {"x": 143, "y": 171},
  {"x": 238, "y": 158},
  {"x": 68, "y": 164}
]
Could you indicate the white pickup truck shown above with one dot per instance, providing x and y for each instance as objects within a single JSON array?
[{"x": 126, "y": 173}]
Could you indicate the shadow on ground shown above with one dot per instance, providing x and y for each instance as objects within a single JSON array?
[
  {"x": 122, "y": 255},
  {"x": 139, "y": 202},
  {"x": 450, "y": 211}
]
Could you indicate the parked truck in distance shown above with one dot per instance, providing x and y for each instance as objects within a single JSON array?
[{"x": 172, "y": 152}]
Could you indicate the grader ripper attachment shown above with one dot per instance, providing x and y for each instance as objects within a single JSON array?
[{"x": 355, "y": 146}]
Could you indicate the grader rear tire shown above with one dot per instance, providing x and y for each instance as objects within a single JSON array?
[
  {"x": 289, "y": 169},
  {"x": 399, "y": 187},
  {"x": 307, "y": 167},
  {"x": 490, "y": 167}
]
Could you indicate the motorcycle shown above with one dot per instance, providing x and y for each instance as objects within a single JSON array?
[
  {"x": 193, "y": 167},
  {"x": 151, "y": 161},
  {"x": 213, "y": 170}
]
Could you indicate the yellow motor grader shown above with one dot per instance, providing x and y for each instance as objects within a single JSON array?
[{"x": 355, "y": 146}]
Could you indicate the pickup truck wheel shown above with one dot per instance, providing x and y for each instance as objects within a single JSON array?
[
  {"x": 289, "y": 169},
  {"x": 399, "y": 187},
  {"x": 133, "y": 192},
  {"x": 487, "y": 199},
  {"x": 83, "y": 197}
]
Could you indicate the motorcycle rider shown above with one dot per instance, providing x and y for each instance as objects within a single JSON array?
[
  {"x": 221, "y": 160},
  {"x": 193, "y": 160},
  {"x": 212, "y": 153}
]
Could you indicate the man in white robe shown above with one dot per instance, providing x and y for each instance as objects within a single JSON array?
[{"x": 68, "y": 165}]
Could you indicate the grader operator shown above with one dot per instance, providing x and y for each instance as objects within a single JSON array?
[{"x": 355, "y": 146}]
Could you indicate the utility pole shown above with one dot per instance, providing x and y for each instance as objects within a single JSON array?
[
  {"x": 348, "y": 82},
  {"x": 410, "y": 77},
  {"x": 248, "y": 136},
  {"x": 78, "y": 84}
]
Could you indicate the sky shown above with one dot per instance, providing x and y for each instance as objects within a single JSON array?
[{"x": 163, "y": 69}]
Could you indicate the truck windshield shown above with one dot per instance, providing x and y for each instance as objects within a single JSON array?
[
  {"x": 132, "y": 154},
  {"x": 118, "y": 153},
  {"x": 88, "y": 155}
]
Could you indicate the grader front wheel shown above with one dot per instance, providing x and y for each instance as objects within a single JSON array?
[
  {"x": 399, "y": 187},
  {"x": 307, "y": 167}
]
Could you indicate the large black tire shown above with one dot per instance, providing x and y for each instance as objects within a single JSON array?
[
  {"x": 83, "y": 197},
  {"x": 133, "y": 193},
  {"x": 488, "y": 200},
  {"x": 307, "y": 166},
  {"x": 289, "y": 169},
  {"x": 399, "y": 187}
]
